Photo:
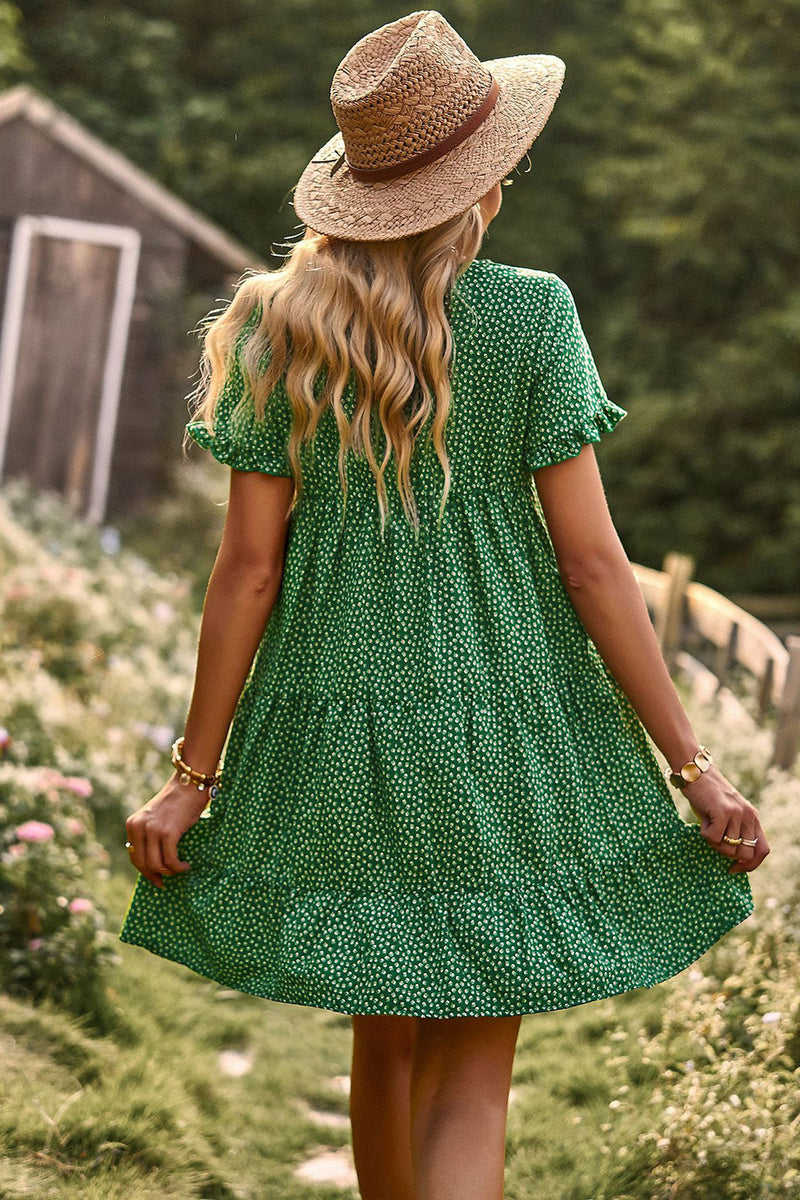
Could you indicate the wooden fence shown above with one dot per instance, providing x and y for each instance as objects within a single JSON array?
[{"x": 684, "y": 611}]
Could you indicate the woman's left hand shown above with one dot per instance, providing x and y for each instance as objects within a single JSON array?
[{"x": 155, "y": 829}]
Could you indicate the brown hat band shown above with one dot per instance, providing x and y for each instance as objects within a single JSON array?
[{"x": 458, "y": 135}]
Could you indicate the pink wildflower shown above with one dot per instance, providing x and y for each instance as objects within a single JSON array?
[
  {"x": 80, "y": 905},
  {"x": 49, "y": 777},
  {"x": 77, "y": 785},
  {"x": 5, "y": 739},
  {"x": 76, "y": 827},
  {"x": 35, "y": 943},
  {"x": 35, "y": 831},
  {"x": 17, "y": 849}
]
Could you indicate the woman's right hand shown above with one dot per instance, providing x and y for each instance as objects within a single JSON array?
[
  {"x": 724, "y": 811},
  {"x": 155, "y": 829}
]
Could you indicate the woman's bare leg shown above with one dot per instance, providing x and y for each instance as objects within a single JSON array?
[
  {"x": 460, "y": 1080},
  {"x": 380, "y": 1086}
]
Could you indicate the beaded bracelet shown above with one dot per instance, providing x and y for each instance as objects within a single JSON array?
[
  {"x": 188, "y": 774},
  {"x": 690, "y": 770}
]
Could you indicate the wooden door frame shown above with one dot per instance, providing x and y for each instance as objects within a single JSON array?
[{"x": 128, "y": 241}]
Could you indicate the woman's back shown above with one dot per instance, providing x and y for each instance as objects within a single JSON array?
[
  {"x": 393, "y": 830},
  {"x": 457, "y": 604}
]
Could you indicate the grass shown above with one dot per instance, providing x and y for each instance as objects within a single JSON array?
[
  {"x": 565, "y": 1077},
  {"x": 146, "y": 1112}
]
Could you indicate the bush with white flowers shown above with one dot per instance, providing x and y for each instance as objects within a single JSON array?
[
  {"x": 723, "y": 1119},
  {"x": 97, "y": 652}
]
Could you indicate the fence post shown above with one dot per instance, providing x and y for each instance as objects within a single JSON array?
[
  {"x": 726, "y": 655},
  {"x": 669, "y": 620},
  {"x": 765, "y": 688},
  {"x": 787, "y": 731}
]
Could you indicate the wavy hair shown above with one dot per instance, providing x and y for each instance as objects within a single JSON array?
[{"x": 376, "y": 310}]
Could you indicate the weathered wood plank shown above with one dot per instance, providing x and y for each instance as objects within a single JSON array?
[
  {"x": 787, "y": 734},
  {"x": 714, "y": 616},
  {"x": 669, "y": 619}
]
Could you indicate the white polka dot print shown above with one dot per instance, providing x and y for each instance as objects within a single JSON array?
[{"x": 436, "y": 801}]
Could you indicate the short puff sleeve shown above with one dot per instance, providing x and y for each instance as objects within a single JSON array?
[
  {"x": 567, "y": 404},
  {"x": 238, "y": 438}
]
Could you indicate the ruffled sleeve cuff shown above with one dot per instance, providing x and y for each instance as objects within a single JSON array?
[
  {"x": 244, "y": 454},
  {"x": 568, "y": 443}
]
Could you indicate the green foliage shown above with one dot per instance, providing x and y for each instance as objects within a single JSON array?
[
  {"x": 14, "y": 60},
  {"x": 662, "y": 189},
  {"x": 98, "y": 651},
  {"x": 704, "y": 346},
  {"x": 719, "y": 1121},
  {"x": 53, "y": 941},
  {"x": 97, "y": 656},
  {"x": 181, "y": 532},
  {"x": 725, "y": 1111}
]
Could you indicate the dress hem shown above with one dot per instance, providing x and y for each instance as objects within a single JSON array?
[
  {"x": 329, "y": 1003},
  {"x": 566, "y": 952}
]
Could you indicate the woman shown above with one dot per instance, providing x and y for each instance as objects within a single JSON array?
[{"x": 439, "y": 807}]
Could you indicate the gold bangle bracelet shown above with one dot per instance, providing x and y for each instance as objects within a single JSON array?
[
  {"x": 690, "y": 770},
  {"x": 187, "y": 773}
]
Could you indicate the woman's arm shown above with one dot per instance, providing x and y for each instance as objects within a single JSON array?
[
  {"x": 242, "y": 590},
  {"x": 606, "y": 596}
]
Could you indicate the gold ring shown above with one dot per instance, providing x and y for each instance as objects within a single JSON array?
[{"x": 732, "y": 841}]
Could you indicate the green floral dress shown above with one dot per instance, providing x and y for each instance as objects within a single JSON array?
[{"x": 435, "y": 799}]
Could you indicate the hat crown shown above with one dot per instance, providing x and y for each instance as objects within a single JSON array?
[{"x": 404, "y": 88}]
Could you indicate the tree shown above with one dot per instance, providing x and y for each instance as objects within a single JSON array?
[
  {"x": 662, "y": 190},
  {"x": 699, "y": 200}
]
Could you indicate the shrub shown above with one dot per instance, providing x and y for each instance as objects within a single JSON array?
[
  {"x": 96, "y": 658},
  {"x": 53, "y": 943},
  {"x": 722, "y": 1122},
  {"x": 97, "y": 654},
  {"x": 725, "y": 1115}
]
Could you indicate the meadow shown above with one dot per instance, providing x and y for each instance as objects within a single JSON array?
[{"x": 128, "y": 1076}]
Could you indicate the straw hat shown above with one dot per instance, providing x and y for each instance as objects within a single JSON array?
[{"x": 425, "y": 130}]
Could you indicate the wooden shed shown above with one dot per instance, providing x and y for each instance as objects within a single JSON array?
[{"x": 102, "y": 273}]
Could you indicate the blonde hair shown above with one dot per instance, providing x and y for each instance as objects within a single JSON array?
[{"x": 376, "y": 309}]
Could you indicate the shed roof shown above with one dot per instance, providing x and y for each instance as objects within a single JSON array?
[{"x": 25, "y": 102}]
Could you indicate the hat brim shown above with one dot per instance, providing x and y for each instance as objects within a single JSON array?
[{"x": 345, "y": 207}]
